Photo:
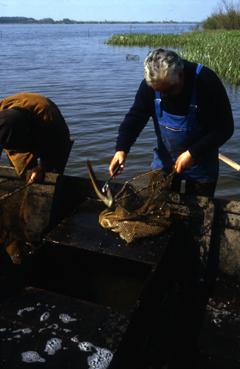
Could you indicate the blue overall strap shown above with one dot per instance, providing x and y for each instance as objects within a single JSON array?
[
  {"x": 193, "y": 97},
  {"x": 158, "y": 111},
  {"x": 199, "y": 68},
  {"x": 157, "y": 102}
]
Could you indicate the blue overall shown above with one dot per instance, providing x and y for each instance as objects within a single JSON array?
[{"x": 175, "y": 134}]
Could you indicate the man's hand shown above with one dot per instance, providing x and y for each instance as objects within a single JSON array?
[
  {"x": 184, "y": 161},
  {"x": 36, "y": 174},
  {"x": 118, "y": 159}
]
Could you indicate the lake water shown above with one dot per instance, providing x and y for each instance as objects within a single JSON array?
[{"x": 94, "y": 85}]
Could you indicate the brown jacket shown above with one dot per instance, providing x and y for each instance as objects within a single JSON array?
[{"x": 51, "y": 141}]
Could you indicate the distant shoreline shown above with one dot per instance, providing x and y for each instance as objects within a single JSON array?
[{"x": 25, "y": 20}]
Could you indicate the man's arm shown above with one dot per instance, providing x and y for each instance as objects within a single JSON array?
[
  {"x": 215, "y": 115},
  {"x": 133, "y": 123},
  {"x": 136, "y": 119}
]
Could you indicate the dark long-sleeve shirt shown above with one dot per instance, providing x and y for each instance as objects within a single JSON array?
[{"x": 213, "y": 111}]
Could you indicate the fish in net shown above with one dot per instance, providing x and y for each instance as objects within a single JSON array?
[{"x": 140, "y": 209}]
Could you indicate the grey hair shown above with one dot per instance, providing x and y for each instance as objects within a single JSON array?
[{"x": 162, "y": 64}]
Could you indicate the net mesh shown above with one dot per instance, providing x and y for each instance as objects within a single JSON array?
[
  {"x": 11, "y": 227},
  {"x": 140, "y": 208}
]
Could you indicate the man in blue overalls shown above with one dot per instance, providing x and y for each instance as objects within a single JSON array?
[{"x": 192, "y": 118}]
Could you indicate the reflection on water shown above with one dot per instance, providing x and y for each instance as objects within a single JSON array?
[{"x": 94, "y": 84}]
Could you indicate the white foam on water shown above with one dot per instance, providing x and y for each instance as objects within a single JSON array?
[
  {"x": 44, "y": 316},
  {"x": 51, "y": 326},
  {"x": 23, "y": 331},
  {"x": 66, "y": 330},
  {"x": 54, "y": 326},
  {"x": 53, "y": 345},
  {"x": 26, "y": 330},
  {"x": 41, "y": 330},
  {"x": 218, "y": 315},
  {"x": 65, "y": 318},
  {"x": 75, "y": 339},
  {"x": 101, "y": 357},
  {"x": 86, "y": 346},
  {"x": 32, "y": 357},
  {"x": 3, "y": 329},
  {"x": 28, "y": 309}
]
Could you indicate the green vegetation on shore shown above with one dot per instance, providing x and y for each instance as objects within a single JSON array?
[{"x": 218, "y": 50}]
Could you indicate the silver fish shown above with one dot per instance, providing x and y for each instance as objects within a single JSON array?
[{"x": 106, "y": 197}]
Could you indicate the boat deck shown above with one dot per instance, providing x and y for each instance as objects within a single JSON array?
[{"x": 90, "y": 301}]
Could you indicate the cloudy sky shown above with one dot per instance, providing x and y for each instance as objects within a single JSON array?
[{"x": 123, "y": 10}]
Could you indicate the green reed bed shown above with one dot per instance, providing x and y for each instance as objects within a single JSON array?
[{"x": 218, "y": 49}]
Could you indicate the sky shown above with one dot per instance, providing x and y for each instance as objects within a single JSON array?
[{"x": 115, "y": 10}]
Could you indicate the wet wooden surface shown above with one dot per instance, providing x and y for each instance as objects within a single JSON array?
[{"x": 56, "y": 331}]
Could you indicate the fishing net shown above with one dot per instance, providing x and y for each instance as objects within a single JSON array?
[
  {"x": 18, "y": 227},
  {"x": 11, "y": 230},
  {"x": 140, "y": 208}
]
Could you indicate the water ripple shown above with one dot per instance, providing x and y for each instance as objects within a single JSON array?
[{"x": 94, "y": 86}]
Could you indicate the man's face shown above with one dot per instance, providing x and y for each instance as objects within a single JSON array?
[{"x": 169, "y": 89}]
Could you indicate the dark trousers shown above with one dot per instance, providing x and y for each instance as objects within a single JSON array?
[
  {"x": 195, "y": 188},
  {"x": 175, "y": 321}
]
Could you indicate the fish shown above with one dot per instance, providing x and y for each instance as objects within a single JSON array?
[{"x": 106, "y": 197}]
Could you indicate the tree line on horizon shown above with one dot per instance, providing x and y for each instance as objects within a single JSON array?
[{"x": 26, "y": 20}]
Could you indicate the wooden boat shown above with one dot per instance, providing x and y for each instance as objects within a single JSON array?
[{"x": 89, "y": 301}]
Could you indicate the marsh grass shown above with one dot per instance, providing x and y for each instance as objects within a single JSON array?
[{"x": 218, "y": 49}]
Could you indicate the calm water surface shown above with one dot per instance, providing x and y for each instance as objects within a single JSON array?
[{"x": 94, "y": 85}]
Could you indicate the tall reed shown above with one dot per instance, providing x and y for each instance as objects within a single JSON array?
[{"x": 219, "y": 50}]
